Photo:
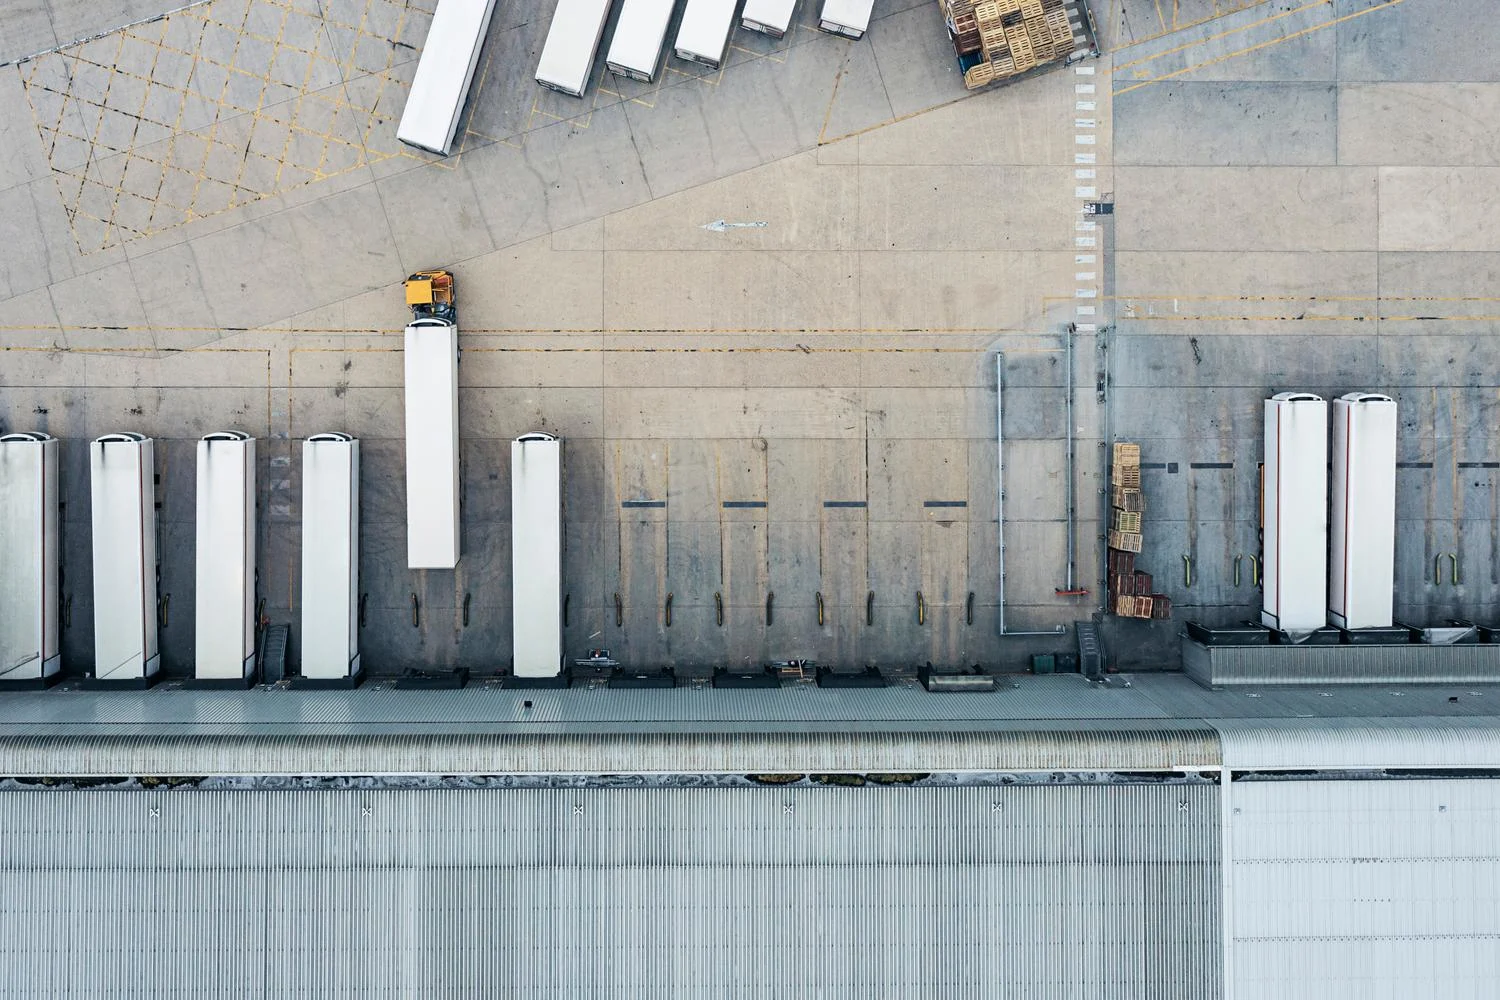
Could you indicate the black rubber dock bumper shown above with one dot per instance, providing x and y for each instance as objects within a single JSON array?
[
  {"x": 432, "y": 680},
  {"x": 870, "y": 677}
]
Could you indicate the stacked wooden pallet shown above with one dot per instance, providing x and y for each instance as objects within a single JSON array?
[
  {"x": 1013, "y": 36},
  {"x": 1131, "y": 591}
]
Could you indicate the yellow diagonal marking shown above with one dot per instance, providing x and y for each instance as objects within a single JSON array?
[{"x": 1256, "y": 48}]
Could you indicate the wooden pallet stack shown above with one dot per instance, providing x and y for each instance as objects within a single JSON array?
[
  {"x": 1013, "y": 36},
  {"x": 1131, "y": 591}
]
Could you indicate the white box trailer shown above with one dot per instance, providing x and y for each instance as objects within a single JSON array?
[
  {"x": 224, "y": 609},
  {"x": 703, "y": 35},
  {"x": 29, "y": 649},
  {"x": 769, "y": 17},
  {"x": 846, "y": 17},
  {"x": 640, "y": 35},
  {"x": 330, "y": 557},
  {"x": 536, "y": 554},
  {"x": 1362, "y": 542},
  {"x": 572, "y": 43},
  {"x": 122, "y": 490},
  {"x": 1295, "y": 513},
  {"x": 444, "y": 73},
  {"x": 432, "y": 518}
]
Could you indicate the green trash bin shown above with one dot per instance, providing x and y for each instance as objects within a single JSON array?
[{"x": 1043, "y": 663}]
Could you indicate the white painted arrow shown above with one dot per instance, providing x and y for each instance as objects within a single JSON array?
[{"x": 720, "y": 226}]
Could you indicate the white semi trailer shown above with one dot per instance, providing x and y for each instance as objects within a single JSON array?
[
  {"x": 850, "y": 18},
  {"x": 444, "y": 73},
  {"x": 703, "y": 34},
  {"x": 1295, "y": 516},
  {"x": 769, "y": 17},
  {"x": 1362, "y": 542},
  {"x": 224, "y": 609},
  {"x": 122, "y": 488},
  {"x": 29, "y": 647},
  {"x": 330, "y": 558},
  {"x": 640, "y": 36},
  {"x": 432, "y": 515},
  {"x": 572, "y": 43},
  {"x": 536, "y": 555}
]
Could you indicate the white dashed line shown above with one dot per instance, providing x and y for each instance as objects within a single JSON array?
[{"x": 1083, "y": 135}]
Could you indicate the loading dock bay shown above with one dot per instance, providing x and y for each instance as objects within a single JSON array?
[{"x": 841, "y": 353}]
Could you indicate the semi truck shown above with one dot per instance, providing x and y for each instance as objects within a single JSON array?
[{"x": 430, "y": 355}]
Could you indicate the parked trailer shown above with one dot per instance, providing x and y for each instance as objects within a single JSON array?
[
  {"x": 29, "y": 650},
  {"x": 1295, "y": 513},
  {"x": 703, "y": 35},
  {"x": 224, "y": 612},
  {"x": 846, "y": 17},
  {"x": 536, "y": 554},
  {"x": 1362, "y": 543},
  {"x": 769, "y": 17},
  {"x": 572, "y": 43},
  {"x": 432, "y": 532},
  {"x": 122, "y": 488},
  {"x": 640, "y": 35},
  {"x": 444, "y": 73},
  {"x": 330, "y": 557}
]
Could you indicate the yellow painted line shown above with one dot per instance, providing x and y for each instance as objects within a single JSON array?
[
  {"x": 1303, "y": 318},
  {"x": 768, "y": 56},
  {"x": 1223, "y": 34},
  {"x": 139, "y": 350},
  {"x": 892, "y": 121},
  {"x": 1275, "y": 298},
  {"x": 795, "y": 349},
  {"x": 1219, "y": 12},
  {"x": 1256, "y": 48}
]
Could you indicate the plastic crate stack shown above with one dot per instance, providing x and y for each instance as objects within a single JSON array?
[
  {"x": 1012, "y": 36},
  {"x": 1130, "y": 589}
]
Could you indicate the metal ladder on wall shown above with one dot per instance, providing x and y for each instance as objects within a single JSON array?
[
  {"x": 1090, "y": 649},
  {"x": 273, "y": 653}
]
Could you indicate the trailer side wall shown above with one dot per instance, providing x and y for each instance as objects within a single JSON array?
[
  {"x": 536, "y": 548},
  {"x": 1295, "y": 541}
]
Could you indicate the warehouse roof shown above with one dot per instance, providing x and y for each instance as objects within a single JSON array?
[{"x": 1060, "y": 721}]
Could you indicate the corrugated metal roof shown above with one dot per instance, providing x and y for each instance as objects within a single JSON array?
[
  {"x": 1021, "y": 698},
  {"x": 643, "y": 753},
  {"x": 1361, "y": 743},
  {"x": 1360, "y": 889},
  {"x": 1309, "y": 664},
  {"x": 1025, "y": 892},
  {"x": 1144, "y": 721},
  {"x": 1178, "y": 697},
  {"x": 1056, "y": 697}
]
